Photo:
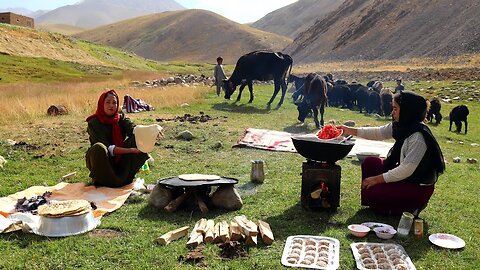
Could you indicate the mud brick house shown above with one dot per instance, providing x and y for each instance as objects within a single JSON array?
[{"x": 16, "y": 19}]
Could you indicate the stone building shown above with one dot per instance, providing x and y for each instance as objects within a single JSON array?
[{"x": 16, "y": 19}]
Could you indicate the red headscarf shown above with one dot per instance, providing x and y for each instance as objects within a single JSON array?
[{"x": 109, "y": 120}]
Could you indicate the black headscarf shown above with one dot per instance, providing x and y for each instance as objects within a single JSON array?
[{"x": 413, "y": 108}]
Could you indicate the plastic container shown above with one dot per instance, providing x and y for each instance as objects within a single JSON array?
[
  {"x": 358, "y": 230},
  {"x": 66, "y": 226},
  {"x": 385, "y": 232},
  {"x": 405, "y": 224}
]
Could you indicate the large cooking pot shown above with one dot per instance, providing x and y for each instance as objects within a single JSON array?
[{"x": 311, "y": 147}]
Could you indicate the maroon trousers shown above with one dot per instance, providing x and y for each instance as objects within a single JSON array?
[{"x": 392, "y": 198}]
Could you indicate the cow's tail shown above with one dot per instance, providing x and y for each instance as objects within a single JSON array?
[{"x": 289, "y": 69}]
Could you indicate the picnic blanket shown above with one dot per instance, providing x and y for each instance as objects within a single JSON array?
[
  {"x": 106, "y": 199},
  {"x": 282, "y": 141}
]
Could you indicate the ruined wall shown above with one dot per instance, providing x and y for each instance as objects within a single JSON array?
[{"x": 15, "y": 19}]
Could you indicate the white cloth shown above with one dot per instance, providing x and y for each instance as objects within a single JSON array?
[{"x": 413, "y": 149}]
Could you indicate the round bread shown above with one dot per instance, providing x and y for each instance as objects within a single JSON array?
[
  {"x": 198, "y": 177},
  {"x": 65, "y": 208}
]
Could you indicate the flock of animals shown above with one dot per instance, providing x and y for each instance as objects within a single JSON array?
[{"x": 314, "y": 92}]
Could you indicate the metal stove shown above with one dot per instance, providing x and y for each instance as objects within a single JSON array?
[{"x": 320, "y": 185}]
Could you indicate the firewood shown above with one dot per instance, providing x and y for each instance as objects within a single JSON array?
[
  {"x": 316, "y": 193},
  {"x": 265, "y": 232},
  {"x": 201, "y": 204},
  {"x": 248, "y": 227},
  {"x": 202, "y": 227},
  {"x": 235, "y": 232},
  {"x": 196, "y": 238},
  {"x": 172, "y": 235},
  {"x": 175, "y": 203},
  {"x": 251, "y": 240},
  {"x": 221, "y": 232},
  {"x": 209, "y": 234}
]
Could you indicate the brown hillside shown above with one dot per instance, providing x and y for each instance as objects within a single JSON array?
[
  {"x": 31, "y": 43},
  {"x": 295, "y": 18},
  {"x": 60, "y": 28},
  {"x": 190, "y": 35},
  {"x": 391, "y": 29}
]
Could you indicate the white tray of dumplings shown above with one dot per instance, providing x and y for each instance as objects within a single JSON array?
[
  {"x": 381, "y": 256},
  {"x": 316, "y": 252}
]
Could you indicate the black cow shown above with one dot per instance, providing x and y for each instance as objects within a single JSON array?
[
  {"x": 360, "y": 93},
  {"x": 434, "y": 111},
  {"x": 457, "y": 115},
  {"x": 386, "y": 98},
  {"x": 374, "y": 103},
  {"x": 261, "y": 66},
  {"x": 315, "y": 98},
  {"x": 298, "y": 82}
]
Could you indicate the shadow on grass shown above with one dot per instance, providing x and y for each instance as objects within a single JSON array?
[
  {"x": 240, "y": 108},
  {"x": 298, "y": 221},
  {"x": 299, "y": 129}
]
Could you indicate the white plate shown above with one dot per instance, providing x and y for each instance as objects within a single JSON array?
[
  {"x": 446, "y": 240},
  {"x": 373, "y": 225},
  {"x": 333, "y": 253}
]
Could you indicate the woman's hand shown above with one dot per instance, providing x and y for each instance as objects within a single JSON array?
[
  {"x": 372, "y": 181},
  {"x": 348, "y": 130}
]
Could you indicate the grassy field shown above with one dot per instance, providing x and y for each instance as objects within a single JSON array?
[{"x": 56, "y": 146}]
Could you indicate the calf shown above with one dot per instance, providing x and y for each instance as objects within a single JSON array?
[
  {"x": 434, "y": 111},
  {"x": 315, "y": 98},
  {"x": 457, "y": 115},
  {"x": 298, "y": 82}
]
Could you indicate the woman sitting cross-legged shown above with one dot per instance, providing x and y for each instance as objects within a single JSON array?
[
  {"x": 113, "y": 158},
  {"x": 405, "y": 180}
]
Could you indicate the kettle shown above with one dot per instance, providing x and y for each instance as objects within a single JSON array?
[{"x": 258, "y": 172}]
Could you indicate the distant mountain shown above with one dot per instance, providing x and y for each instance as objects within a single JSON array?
[
  {"x": 190, "y": 35},
  {"x": 295, "y": 18},
  {"x": 391, "y": 29},
  {"x": 21, "y": 11},
  {"x": 93, "y": 13}
]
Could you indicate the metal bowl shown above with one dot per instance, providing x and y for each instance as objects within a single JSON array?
[{"x": 310, "y": 147}]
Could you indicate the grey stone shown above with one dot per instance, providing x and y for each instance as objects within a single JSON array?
[
  {"x": 349, "y": 123},
  {"x": 185, "y": 135},
  {"x": 227, "y": 197}
]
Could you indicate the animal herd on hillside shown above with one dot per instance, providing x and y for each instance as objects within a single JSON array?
[{"x": 314, "y": 92}]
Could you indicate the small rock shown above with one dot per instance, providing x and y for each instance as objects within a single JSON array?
[
  {"x": 217, "y": 145},
  {"x": 472, "y": 160},
  {"x": 474, "y": 144},
  {"x": 349, "y": 123},
  {"x": 461, "y": 143},
  {"x": 184, "y": 105},
  {"x": 2, "y": 161},
  {"x": 457, "y": 160},
  {"x": 185, "y": 135},
  {"x": 11, "y": 142},
  {"x": 449, "y": 142}
]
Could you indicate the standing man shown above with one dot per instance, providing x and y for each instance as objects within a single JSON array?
[
  {"x": 219, "y": 74},
  {"x": 399, "y": 87}
]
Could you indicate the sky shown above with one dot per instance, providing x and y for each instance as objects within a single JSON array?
[{"x": 242, "y": 11}]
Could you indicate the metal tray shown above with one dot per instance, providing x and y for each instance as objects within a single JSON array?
[
  {"x": 381, "y": 256},
  {"x": 316, "y": 252},
  {"x": 177, "y": 182}
]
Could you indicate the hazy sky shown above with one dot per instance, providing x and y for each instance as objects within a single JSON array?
[{"x": 241, "y": 11}]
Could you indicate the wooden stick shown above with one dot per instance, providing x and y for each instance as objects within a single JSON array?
[
  {"x": 195, "y": 237},
  {"x": 235, "y": 232},
  {"x": 265, "y": 232},
  {"x": 248, "y": 227},
  {"x": 209, "y": 234},
  {"x": 175, "y": 203},
  {"x": 251, "y": 240},
  {"x": 201, "y": 204},
  {"x": 224, "y": 232},
  {"x": 202, "y": 227},
  {"x": 172, "y": 235}
]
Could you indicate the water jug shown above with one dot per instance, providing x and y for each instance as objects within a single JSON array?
[{"x": 258, "y": 172}]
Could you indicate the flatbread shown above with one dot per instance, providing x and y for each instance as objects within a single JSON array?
[
  {"x": 198, "y": 177},
  {"x": 65, "y": 208}
]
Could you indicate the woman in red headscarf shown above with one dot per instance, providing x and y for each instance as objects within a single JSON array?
[
  {"x": 113, "y": 158},
  {"x": 405, "y": 180}
]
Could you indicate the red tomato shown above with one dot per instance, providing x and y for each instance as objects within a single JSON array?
[{"x": 329, "y": 132}]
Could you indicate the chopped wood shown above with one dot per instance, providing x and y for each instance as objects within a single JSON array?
[
  {"x": 175, "y": 203},
  {"x": 249, "y": 228},
  {"x": 173, "y": 235},
  {"x": 202, "y": 227},
  {"x": 235, "y": 232},
  {"x": 316, "y": 193},
  {"x": 196, "y": 238},
  {"x": 201, "y": 204},
  {"x": 251, "y": 240},
  {"x": 265, "y": 232},
  {"x": 221, "y": 232},
  {"x": 209, "y": 234}
]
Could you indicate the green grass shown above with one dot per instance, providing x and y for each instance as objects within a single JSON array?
[{"x": 452, "y": 209}]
